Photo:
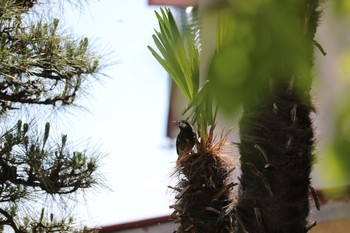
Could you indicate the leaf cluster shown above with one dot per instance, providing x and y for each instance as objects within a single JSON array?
[
  {"x": 179, "y": 56},
  {"x": 31, "y": 161},
  {"x": 47, "y": 224},
  {"x": 342, "y": 7},
  {"x": 34, "y": 165},
  {"x": 253, "y": 48},
  {"x": 39, "y": 63}
]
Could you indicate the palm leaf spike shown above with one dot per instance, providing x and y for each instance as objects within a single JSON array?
[
  {"x": 46, "y": 134},
  {"x": 19, "y": 127},
  {"x": 184, "y": 51},
  {"x": 202, "y": 110},
  {"x": 179, "y": 56},
  {"x": 174, "y": 57}
]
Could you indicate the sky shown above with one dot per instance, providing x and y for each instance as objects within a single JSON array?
[{"x": 126, "y": 114}]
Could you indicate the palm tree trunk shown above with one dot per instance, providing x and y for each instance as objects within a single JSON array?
[
  {"x": 276, "y": 147},
  {"x": 276, "y": 155},
  {"x": 204, "y": 192}
]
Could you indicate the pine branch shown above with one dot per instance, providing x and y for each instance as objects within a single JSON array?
[
  {"x": 39, "y": 64},
  {"x": 10, "y": 221},
  {"x": 26, "y": 162}
]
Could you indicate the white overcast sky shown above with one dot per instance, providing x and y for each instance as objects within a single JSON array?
[{"x": 127, "y": 113}]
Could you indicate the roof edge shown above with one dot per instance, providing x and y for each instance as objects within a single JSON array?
[{"x": 134, "y": 224}]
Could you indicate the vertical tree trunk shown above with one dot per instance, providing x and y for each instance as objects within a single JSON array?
[
  {"x": 276, "y": 155},
  {"x": 277, "y": 142}
]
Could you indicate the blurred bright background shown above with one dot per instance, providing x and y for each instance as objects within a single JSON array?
[{"x": 126, "y": 114}]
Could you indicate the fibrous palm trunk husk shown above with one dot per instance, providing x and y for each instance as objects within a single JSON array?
[{"x": 204, "y": 191}]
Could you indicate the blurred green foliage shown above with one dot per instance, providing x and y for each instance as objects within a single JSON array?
[
  {"x": 258, "y": 42},
  {"x": 342, "y": 7},
  {"x": 252, "y": 48},
  {"x": 261, "y": 41}
]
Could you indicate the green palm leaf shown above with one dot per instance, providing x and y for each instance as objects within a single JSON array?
[{"x": 179, "y": 56}]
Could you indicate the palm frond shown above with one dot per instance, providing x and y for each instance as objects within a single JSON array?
[
  {"x": 179, "y": 56},
  {"x": 203, "y": 112}
]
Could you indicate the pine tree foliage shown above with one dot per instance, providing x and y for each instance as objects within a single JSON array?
[
  {"x": 40, "y": 65},
  {"x": 30, "y": 161},
  {"x": 34, "y": 166}
]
